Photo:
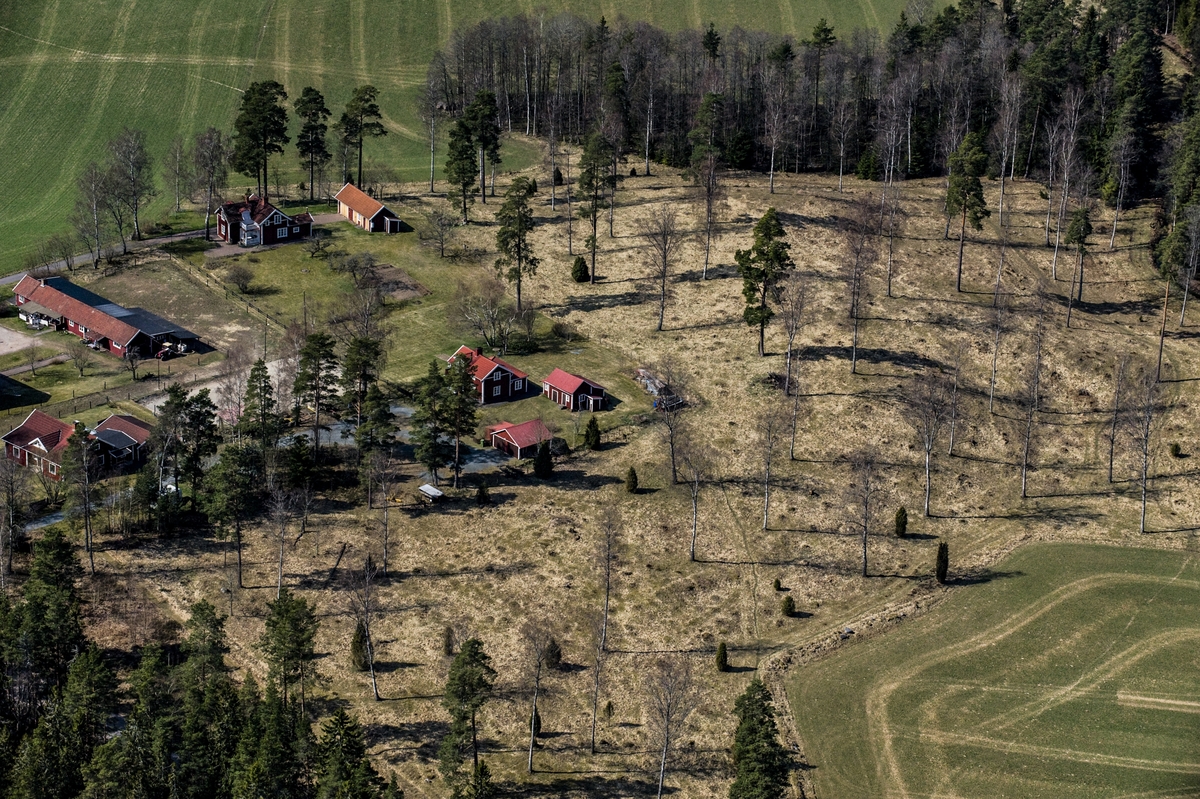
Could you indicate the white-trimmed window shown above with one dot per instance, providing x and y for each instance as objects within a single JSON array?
[
  {"x": 296, "y": 230},
  {"x": 54, "y": 468},
  {"x": 281, "y": 233},
  {"x": 496, "y": 391},
  {"x": 517, "y": 385}
]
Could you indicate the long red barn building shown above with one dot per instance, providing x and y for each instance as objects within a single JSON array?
[{"x": 57, "y": 302}]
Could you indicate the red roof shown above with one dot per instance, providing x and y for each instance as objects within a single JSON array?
[
  {"x": 482, "y": 366},
  {"x": 131, "y": 426},
  {"x": 565, "y": 381},
  {"x": 259, "y": 210},
  {"x": 52, "y": 433},
  {"x": 524, "y": 435},
  {"x": 94, "y": 319},
  {"x": 359, "y": 201}
]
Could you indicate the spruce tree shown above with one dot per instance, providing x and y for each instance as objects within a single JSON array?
[
  {"x": 460, "y": 164},
  {"x": 942, "y": 564},
  {"x": 468, "y": 687},
  {"x": 260, "y": 414},
  {"x": 579, "y": 270},
  {"x": 316, "y": 378},
  {"x": 591, "y": 434},
  {"x": 760, "y": 762},
  {"x": 429, "y": 424},
  {"x": 343, "y": 769},
  {"x": 515, "y": 217},
  {"x": 901, "y": 522},
  {"x": 631, "y": 481},
  {"x": 358, "y": 647},
  {"x": 964, "y": 195},
  {"x": 543, "y": 463}
]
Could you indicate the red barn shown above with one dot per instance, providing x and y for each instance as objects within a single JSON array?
[
  {"x": 365, "y": 211},
  {"x": 518, "y": 440},
  {"x": 254, "y": 221},
  {"x": 495, "y": 380},
  {"x": 39, "y": 443},
  {"x": 574, "y": 392}
]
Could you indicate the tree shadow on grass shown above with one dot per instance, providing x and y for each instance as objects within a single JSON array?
[
  {"x": 981, "y": 576},
  {"x": 419, "y": 738},
  {"x": 906, "y": 360},
  {"x": 596, "y": 302}
]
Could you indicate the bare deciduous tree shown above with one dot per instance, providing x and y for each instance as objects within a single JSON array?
[
  {"x": 926, "y": 409},
  {"x": 698, "y": 461},
  {"x": 280, "y": 509},
  {"x": 1187, "y": 269},
  {"x": 607, "y": 552},
  {"x": 770, "y": 426},
  {"x": 597, "y": 629},
  {"x": 859, "y": 255},
  {"x": 793, "y": 300},
  {"x": 14, "y": 494},
  {"x": 1146, "y": 419},
  {"x": 671, "y": 414},
  {"x": 671, "y": 696},
  {"x": 537, "y": 640},
  {"x": 484, "y": 309},
  {"x": 232, "y": 381},
  {"x": 663, "y": 238},
  {"x": 863, "y": 495},
  {"x": 441, "y": 226},
  {"x": 81, "y": 354},
  {"x": 365, "y": 605}
]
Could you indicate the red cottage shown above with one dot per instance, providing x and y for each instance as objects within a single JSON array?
[
  {"x": 365, "y": 211},
  {"x": 39, "y": 443},
  {"x": 495, "y": 380},
  {"x": 573, "y": 392},
  {"x": 518, "y": 440},
  {"x": 254, "y": 221}
]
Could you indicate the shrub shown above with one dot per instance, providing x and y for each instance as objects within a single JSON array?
[
  {"x": 868, "y": 167},
  {"x": 533, "y": 186},
  {"x": 563, "y": 331},
  {"x": 631, "y": 480},
  {"x": 608, "y": 709},
  {"x": 448, "y": 641},
  {"x": 553, "y": 654},
  {"x": 901, "y": 522},
  {"x": 579, "y": 270},
  {"x": 633, "y": 172},
  {"x": 722, "y": 657},
  {"x": 778, "y": 585},
  {"x": 591, "y": 434},
  {"x": 543, "y": 464},
  {"x": 358, "y": 648},
  {"x": 942, "y": 566},
  {"x": 788, "y": 606},
  {"x": 558, "y": 176},
  {"x": 1176, "y": 452},
  {"x": 239, "y": 276},
  {"x": 481, "y": 496}
]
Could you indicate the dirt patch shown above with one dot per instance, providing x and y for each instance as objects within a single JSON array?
[{"x": 398, "y": 284}]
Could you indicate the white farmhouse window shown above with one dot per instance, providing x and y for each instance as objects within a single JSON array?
[
  {"x": 281, "y": 233},
  {"x": 296, "y": 230},
  {"x": 516, "y": 385},
  {"x": 496, "y": 391},
  {"x": 54, "y": 468}
]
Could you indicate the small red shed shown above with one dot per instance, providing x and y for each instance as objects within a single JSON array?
[
  {"x": 574, "y": 392},
  {"x": 518, "y": 440}
]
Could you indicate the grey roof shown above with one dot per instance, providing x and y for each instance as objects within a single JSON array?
[
  {"x": 153, "y": 325},
  {"x": 114, "y": 438}
]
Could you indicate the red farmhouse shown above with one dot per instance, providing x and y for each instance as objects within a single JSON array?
[
  {"x": 57, "y": 302},
  {"x": 518, "y": 440},
  {"x": 573, "y": 392},
  {"x": 39, "y": 443},
  {"x": 365, "y": 211},
  {"x": 495, "y": 380},
  {"x": 254, "y": 221}
]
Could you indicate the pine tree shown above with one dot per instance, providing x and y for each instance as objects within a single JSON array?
[
  {"x": 316, "y": 378},
  {"x": 260, "y": 414},
  {"x": 429, "y": 422},
  {"x": 460, "y": 164},
  {"x": 483, "y": 120},
  {"x": 515, "y": 216},
  {"x": 287, "y": 642},
  {"x": 594, "y": 180},
  {"x": 964, "y": 195},
  {"x": 360, "y": 120},
  {"x": 260, "y": 130},
  {"x": 459, "y": 406},
  {"x": 761, "y": 268},
  {"x": 236, "y": 484},
  {"x": 343, "y": 769},
  {"x": 311, "y": 144},
  {"x": 468, "y": 687},
  {"x": 365, "y": 358}
]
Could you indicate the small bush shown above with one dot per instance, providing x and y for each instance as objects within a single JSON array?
[
  {"x": 778, "y": 585},
  {"x": 448, "y": 641},
  {"x": 1176, "y": 452},
  {"x": 633, "y": 172},
  {"x": 543, "y": 464},
  {"x": 358, "y": 648},
  {"x": 239, "y": 276},
  {"x": 942, "y": 567},
  {"x": 563, "y": 331},
  {"x": 608, "y": 709},
  {"x": 631, "y": 480},
  {"x": 482, "y": 497},
  {"x": 901, "y": 522},
  {"x": 554, "y": 655},
  {"x": 558, "y": 176},
  {"x": 591, "y": 434},
  {"x": 788, "y": 606},
  {"x": 579, "y": 270},
  {"x": 722, "y": 657}
]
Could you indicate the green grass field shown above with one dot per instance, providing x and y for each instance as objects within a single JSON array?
[
  {"x": 73, "y": 73},
  {"x": 1071, "y": 673}
]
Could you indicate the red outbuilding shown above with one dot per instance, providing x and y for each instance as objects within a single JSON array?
[
  {"x": 573, "y": 392},
  {"x": 518, "y": 440},
  {"x": 365, "y": 211}
]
